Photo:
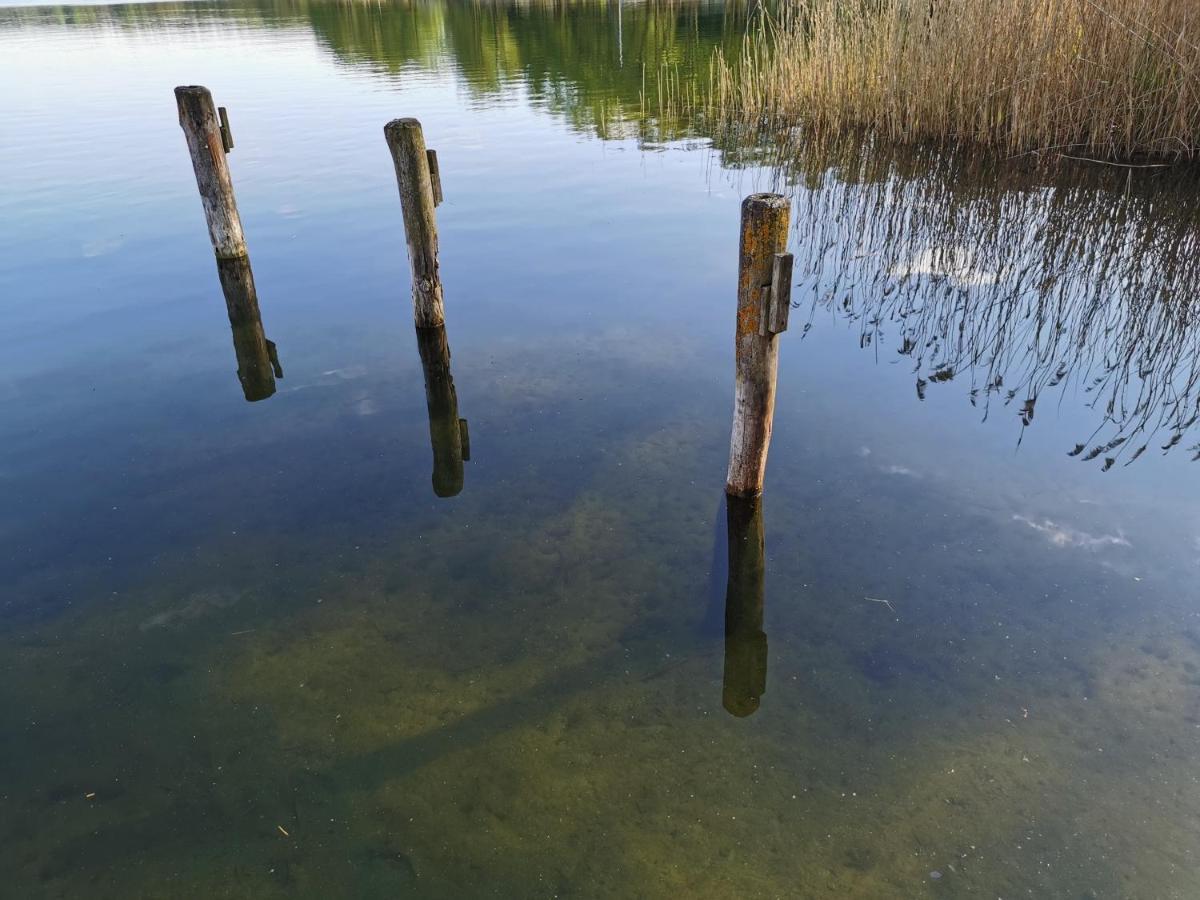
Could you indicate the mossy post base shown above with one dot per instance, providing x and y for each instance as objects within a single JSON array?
[
  {"x": 764, "y": 235},
  {"x": 406, "y": 141},
  {"x": 207, "y": 143}
]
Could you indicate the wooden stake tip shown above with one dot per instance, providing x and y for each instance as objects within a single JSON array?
[
  {"x": 769, "y": 201},
  {"x": 397, "y": 126}
]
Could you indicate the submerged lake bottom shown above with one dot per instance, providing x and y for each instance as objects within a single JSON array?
[
  {"x": 528, "y": 691},
  {"x": 287, "y": 647}
]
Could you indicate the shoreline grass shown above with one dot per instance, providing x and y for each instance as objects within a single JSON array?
[{"x": 1112, "y": 80}]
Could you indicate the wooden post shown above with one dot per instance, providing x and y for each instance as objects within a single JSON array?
[
  {"x": 447, "y": 432},
  {"x": 407, "y": 144},
  {"x": 202, "y": 128},
  {"x": 258, "y": 361},
  {"x": 764, "y": 235},
  {"x": 745, "y": 675}
]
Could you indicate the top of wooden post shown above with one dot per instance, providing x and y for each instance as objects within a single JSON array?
[
  {"x": 194, "y": 100},
  {"x": 771, "y": 201},
  {"x": 397, "y": 126}
]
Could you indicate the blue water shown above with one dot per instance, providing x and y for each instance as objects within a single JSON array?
[{"x": 248, "y": 652}]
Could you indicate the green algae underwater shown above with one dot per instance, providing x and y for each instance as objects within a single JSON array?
[
  {"x": 522, "y": 695},
  {"x": 248, "y": 650}
]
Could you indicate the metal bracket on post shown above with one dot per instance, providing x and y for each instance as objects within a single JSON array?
[
  {"x": 777, "y": 297},
  {"x": 226, "y": 134},
  {"x": 435, "y": 176}
]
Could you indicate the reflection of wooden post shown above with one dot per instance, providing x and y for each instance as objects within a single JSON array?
[
  {"x": 407, "y": 143},
  {"x": 745, "y": 642},
  {"x": 761, "y": 307},
  {"x": 201, "y": 127},
  {"x": 258, "y": 363},
  {"x": 447, "y": 432}
]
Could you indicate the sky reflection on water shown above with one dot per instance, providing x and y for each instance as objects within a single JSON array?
[{"x": 232, "y": 620}]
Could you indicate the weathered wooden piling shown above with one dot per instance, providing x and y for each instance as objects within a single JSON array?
[
  {"x": 447, "y": 432},
  {"x": 208, "y": 142},
  {"x": 406, "y": 141},
  {"x": 763, "y": 300},
  {"x": 745, "y": 674},
  {"x": 257, "y": 358}
]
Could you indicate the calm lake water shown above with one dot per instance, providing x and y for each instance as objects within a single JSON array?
[{"x": 248, "y": 652}]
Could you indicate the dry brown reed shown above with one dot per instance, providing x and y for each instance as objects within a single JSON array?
[{"x": 1111, "y": 79}]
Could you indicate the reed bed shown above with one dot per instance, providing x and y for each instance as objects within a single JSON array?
[{"x": 1117, "y": 80}]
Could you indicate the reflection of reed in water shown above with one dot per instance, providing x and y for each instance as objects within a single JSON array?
[
  {"x": 1018, "y": 282},
  {"x": 258, "y": 361},
  {"x": 447, "y": 432},
  {"x": 745, "y": 679}
]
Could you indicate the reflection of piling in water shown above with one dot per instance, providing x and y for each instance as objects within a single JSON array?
[
  {"x": 745, "y": 678},
  {"x": 258, "y": 362},
  {"x": 447, "y": 432}
]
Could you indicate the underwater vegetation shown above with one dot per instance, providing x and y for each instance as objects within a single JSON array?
[{"x": 338, "y": 644}]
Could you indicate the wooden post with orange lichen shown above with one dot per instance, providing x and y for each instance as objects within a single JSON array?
[
  {"x": 208, "y": 141},
  {"x": 761, "y": 316},
  {"x": 418, "y": 197}
]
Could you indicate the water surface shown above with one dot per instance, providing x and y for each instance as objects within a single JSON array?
[{"x": 250, "y": 651}]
